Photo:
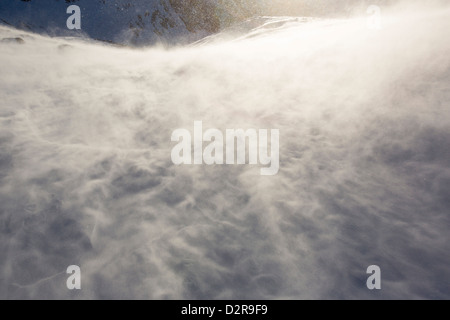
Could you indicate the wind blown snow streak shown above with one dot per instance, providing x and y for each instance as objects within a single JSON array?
[{"x": 86, "y": 176}]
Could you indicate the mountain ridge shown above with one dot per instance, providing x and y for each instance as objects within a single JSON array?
[{"x": 138, "y": 22}]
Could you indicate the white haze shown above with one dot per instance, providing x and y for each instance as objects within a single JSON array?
[{"x": 86, "y": 176}]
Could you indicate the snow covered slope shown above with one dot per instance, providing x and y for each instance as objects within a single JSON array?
[{"x": 86, "y": 176}]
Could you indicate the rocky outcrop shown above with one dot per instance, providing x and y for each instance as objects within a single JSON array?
[
  {"x": 130, "y": 21},
  {"x": 13, "y": 40}
]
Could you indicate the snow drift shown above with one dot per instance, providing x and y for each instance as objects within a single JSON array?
[{"x": 86, "y": 176}]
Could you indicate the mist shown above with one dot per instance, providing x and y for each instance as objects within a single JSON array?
[{"x": 86, "y": 176}]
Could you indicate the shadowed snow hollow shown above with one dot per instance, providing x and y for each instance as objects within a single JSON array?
[{"x": 86, "y": 176}]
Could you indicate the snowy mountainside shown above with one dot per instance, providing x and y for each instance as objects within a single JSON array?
[
  {"x": 128, "y": 22},
  {"x": 86, "y": 176}
]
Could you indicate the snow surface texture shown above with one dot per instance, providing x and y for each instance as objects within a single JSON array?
[{"x": 86, "y": 176}]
